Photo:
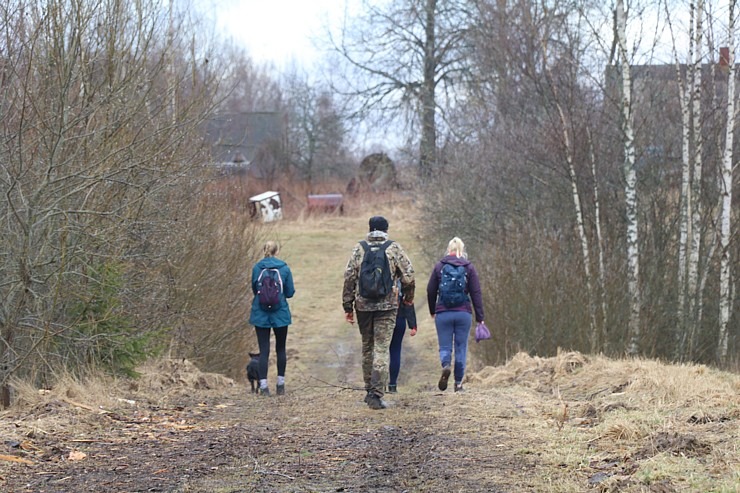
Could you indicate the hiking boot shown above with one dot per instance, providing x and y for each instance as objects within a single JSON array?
[
  {"x": 280, "y": 390},
  {"x": 374, "y": 401},
  {"x": 392, "y": 388},
  {"x": 459, "y": 387},
  {"x": 443, "y": 379},
  {"x": 265, "y": 391}
]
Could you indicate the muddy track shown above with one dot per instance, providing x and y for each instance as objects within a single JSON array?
[{"x": 315, "y": 439}]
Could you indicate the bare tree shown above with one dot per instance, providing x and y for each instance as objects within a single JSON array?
[
  {"x": 316, "y": 132},
  {"x": 246, "y": 86},
  {"x": 568, "y": 149},
  {"x": 405, "y": 58},
  {"x": 102, "y": 105}
]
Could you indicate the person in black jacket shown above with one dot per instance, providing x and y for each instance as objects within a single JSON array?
[
  {"x": 453, "y": 320},
  {"x": 406, "y": 316}
]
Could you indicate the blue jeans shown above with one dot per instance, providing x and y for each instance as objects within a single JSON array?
[{"x": 453, "y": 328}]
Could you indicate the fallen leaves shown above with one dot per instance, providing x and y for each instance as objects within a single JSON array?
[
  {"x": 13, "y": 458},
  {"x": 76, "y": 456}
]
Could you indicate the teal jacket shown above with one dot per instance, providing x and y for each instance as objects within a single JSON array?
[{"x": 280, "y": 317}]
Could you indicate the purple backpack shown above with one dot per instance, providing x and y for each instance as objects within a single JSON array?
[{"x": 269, "y": 288}]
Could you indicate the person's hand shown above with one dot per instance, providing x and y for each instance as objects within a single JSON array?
[
  {"x": 350, "y": 317},
  {"x": 413, "y": 331},
  {"x": 407, "y": 302}
]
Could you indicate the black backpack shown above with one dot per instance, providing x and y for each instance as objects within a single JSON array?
[
  {"x": 375, "y": 272},
  {"x": 269, "y": 287},
  {"x": 453, "y": 285}
]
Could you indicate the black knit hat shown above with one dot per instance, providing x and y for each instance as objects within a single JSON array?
[{"x": 378, "y": 223}]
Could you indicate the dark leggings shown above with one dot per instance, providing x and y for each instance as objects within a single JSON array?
[
  {"x": 394, "y": 366},
  {"x": 263, "y": 339}
]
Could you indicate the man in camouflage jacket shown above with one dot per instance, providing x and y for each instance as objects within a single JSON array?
[{"x": 376, "y": 318}]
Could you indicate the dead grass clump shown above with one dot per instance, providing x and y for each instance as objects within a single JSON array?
[
  {"x": 625, "y": 431},
  {"x": 682, "y": 385},
  {"x": 491, "y": 376},
  {"x": 25, "y": 394},
  {"x": 650, "y": 383},
  {"x": 533, "y": 372},
  {"x": 567, "y": 362},
  {"x": 93, "y": 391},
  {"x": 528, "y": 371},
  {"x": 163, "y": 374},
  {"x": 616, "y": 484}
]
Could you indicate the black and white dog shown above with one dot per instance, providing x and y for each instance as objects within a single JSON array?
[{"x": 253, "y": 374}]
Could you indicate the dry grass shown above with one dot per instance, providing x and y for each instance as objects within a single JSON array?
[{"x": 646, "y": 420}]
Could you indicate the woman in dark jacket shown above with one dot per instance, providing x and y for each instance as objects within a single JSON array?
[
  {"x": 406, "y": 316},
  {"x": 276, "y": 318},
  {"x": 452, "y": 308}
]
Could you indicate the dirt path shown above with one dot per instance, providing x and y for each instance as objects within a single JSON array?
[{"x": 323, "y": 345}]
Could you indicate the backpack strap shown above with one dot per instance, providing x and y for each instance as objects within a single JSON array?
[
  {"x": 467, "y": 275},
  {"x": 277, "y": 271},
  {"x": 280, "y": 279},
  {"x": 384, "y": 246}
]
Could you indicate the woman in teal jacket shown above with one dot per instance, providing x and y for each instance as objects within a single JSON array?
[{"x": 276, "y": 318}]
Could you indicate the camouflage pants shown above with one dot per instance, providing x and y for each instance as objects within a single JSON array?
[{"x": 376, "y": 329}]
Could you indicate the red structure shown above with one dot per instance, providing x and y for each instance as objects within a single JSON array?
[{"x": 329, "y": 202}]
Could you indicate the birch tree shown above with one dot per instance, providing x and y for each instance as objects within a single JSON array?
[
  {"x": 690, "y": 213},
  {"x": 599, "y": 245},
  {"x": 565, "y": 126},
  {"x": 725, "y": 300},
  {"x": 630, "y": 176},
  {"x": 684, "y": 97},
  {"x": 692, "y": 281}
]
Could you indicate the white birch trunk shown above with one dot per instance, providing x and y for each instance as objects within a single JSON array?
[
  {"x": 685, "y": 198},
  {"x": 696, "y": 180},
  {"x": 599, "y": 247},
  {"x": 630, "y": 192},
  {"x": 581, "y": 229},
  {"x": 580, "y": 223},
  {"x": 726, "y": 190}
]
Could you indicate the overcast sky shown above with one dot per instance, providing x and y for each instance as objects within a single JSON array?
[{"x": 279, "y": 31}]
